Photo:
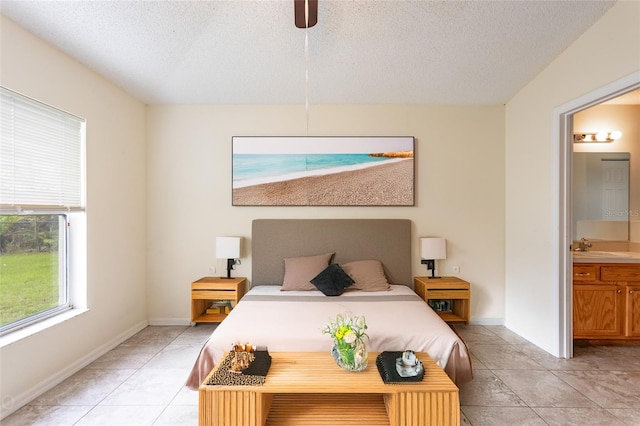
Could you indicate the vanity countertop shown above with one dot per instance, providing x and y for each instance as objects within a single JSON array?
[{"x": 606, "y": 257}]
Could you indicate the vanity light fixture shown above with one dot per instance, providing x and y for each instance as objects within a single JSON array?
[
  {"x": 228, "y": 248},
  {"x": 599, "y": 137},
  {"x": 432, "y": 249}
]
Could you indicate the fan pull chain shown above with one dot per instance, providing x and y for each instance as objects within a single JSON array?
[{"x": 306, "y": 62}]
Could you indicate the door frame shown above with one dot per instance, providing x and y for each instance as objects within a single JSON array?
[{"x": 563, "y": 151}]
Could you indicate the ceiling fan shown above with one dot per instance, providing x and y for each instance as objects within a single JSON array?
[{"x": 299, "y": 9}]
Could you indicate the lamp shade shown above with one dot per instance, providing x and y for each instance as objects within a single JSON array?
[
  {"x": 433, "y": 248},
  {"x": 228, "y": 247}
]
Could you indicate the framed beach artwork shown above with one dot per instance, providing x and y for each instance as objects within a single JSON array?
[{"x": 322, "y": 171}]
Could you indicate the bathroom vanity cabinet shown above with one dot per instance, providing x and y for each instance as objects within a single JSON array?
[{"x": 606, "y": 301}]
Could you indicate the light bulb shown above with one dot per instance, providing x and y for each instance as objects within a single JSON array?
[
  {"x": 615, "y": 135},
  {"x": 602, "y": 136}
]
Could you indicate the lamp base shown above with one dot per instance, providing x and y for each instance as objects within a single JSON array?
[
  {"x": 230, "y": 265},
  {"x": 431, "y": 266}
]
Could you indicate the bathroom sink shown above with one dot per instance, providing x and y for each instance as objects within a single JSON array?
[{"x": 596, "y": 253}]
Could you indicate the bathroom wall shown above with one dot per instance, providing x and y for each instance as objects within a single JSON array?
[{"x": 625, "y": 118}]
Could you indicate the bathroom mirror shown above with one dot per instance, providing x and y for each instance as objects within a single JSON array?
[{"x": 601, "y": 195}]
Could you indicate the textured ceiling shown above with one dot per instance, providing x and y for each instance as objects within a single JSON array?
[{"x": 250, "y": 52}]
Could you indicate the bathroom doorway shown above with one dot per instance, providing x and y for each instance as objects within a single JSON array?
[{"x": 563, "y": 117}]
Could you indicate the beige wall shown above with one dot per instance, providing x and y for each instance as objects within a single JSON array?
[
  {"x": 625, "y": 118},
  {"x": 532, "y": 287},
  {"x": 116, "y": 215},
  {"x": 459, "y": 190}
]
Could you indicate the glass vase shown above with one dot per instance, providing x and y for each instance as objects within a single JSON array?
[{"x": 352, "y": 357}]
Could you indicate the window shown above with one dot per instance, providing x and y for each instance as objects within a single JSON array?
[{"x": 41, "y": 189}]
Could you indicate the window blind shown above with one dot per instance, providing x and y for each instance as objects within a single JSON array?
[{"x": 41, "y": 156}]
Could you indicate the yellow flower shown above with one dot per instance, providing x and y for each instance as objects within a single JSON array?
[{"x": 342, "y": 330}]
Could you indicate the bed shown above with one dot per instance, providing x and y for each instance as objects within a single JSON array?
[{"x": 284, "y": 316}]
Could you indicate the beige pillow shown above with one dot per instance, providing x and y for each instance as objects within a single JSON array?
[
  {"x": 367, "y": 274},
  {"x": 299, "y": 271}
]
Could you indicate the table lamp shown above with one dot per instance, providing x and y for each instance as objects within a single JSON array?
[
  {"x": 432, "y": 249},
  {"x": 228, "y": 248}
]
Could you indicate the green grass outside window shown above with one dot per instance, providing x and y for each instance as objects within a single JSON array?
[{"x": 28, "y": 284}]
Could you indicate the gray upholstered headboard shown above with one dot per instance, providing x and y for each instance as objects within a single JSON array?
[{"x": 387, "y": 240}]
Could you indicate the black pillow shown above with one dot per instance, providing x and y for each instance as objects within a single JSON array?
[{"x": 332, "y": 280}]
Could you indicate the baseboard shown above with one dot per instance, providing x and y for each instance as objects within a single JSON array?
[
  {"x": 17, "y": 402},
  {"x": 486, "y": 321},
  {"x": 169, "y": 321}
]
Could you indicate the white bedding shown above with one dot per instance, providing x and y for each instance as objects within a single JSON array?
[{"x": 288, "y": 321}]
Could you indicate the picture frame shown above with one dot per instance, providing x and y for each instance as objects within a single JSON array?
[{"x": 323, "y": 171}]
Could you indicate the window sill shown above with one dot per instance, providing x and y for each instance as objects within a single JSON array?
[{"x": 31, "y": 330}]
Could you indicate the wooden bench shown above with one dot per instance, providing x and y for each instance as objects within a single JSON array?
[{"x": 308, "y": 388}]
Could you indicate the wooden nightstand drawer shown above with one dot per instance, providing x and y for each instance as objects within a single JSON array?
[
  {"x": 448, "y": 294},
  {"x": 213, "y": 294}
]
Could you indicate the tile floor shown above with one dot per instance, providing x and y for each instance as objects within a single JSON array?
[
  {"x": 517, "y": 383},
  {"x": 141, "y": 383}
]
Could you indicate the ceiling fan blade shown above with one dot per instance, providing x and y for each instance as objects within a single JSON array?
[{"x": 298, "y": 10}]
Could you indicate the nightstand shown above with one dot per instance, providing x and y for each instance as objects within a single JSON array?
[
  {"x": 213, "y": 297},
  {"x": 448, "y": 296}
]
